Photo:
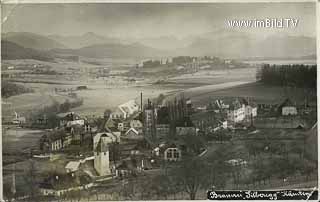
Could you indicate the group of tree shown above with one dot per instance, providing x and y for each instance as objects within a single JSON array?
[
  {"x": 10, "y": 89},
  {"x": 299, "y": 75}
]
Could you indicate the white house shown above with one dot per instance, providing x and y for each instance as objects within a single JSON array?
[
  {"x": 172, "y": 154},
  {"x": 236, "y": 111},
  {"x": 288, "y": 108},
  {"x": 125, "y": 110}
]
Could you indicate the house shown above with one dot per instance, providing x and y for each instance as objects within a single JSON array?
[
  {"x": 172, "y": 154},
  {"x": 132, "y": 133},
  {"x": 251, "y": 109},
  {"x": 51, "y": 142},
  {"x": 287, "y": 108},
  {"x": 71, "y": 119},
  {"x": 126, "y": 110},
  {"x": 136, "y": 124},
  {"x": 118, "y": 114},
  {"x": 72, "y": 166},
  {"x": 236, "y": 111}
]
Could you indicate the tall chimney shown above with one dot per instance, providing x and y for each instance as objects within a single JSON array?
[{"x": 141, "y": 102}]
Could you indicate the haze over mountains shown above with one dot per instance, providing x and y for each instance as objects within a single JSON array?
[{"x": 221, "y": 43}]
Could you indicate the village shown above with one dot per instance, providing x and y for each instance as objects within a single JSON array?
[{"x": 139, "y": 139}]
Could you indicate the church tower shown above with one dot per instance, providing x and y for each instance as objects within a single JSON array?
[{"x": 101, "y": 157}]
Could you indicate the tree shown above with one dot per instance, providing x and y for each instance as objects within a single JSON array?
[
  {"x": 107, "y": 113},
  {"x": 191, "y": 174}
]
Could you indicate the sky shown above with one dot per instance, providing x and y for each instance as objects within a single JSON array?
[{"x": 142, "y": 20}]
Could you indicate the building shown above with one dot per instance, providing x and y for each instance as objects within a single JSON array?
[
  {"x": 172, "y": 154},
  {"x": 132, "y": 133},
  {"x": 287, "y": 108},
  {"x": 71, "y": 119},
  {"x": 236, "y": 111},
  {"x": 72, "y": 166},
  {"x": 251, "y": 109},
  {"x": 101, "y": 155},
  {"x": 136, "y": 124},
  {"x": 107, "y": 137},
  {"x": 118, "y": 114},
  {"x": 52, "y": 142}
]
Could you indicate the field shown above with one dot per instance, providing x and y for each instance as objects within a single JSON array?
[{"x": 257, "y": 91}]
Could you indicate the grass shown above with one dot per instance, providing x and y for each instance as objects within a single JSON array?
[{"x": 257, "y": 91}]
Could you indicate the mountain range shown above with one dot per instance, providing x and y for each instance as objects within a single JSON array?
[{"x": 221, "y": 43}]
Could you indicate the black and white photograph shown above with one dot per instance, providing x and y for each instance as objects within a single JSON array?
[{"x": 143, "y": 101}]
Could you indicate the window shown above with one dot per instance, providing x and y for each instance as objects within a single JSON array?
[
  {"x": 176, "y": 154},
  {"x": 169, "y": 154}
]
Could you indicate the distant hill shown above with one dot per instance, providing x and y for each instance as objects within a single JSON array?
[
  {"x": 12, "y": 51},
  {"x": 31, "y": 40},
  {"x": 113, "y": 50},
  {"x": 235, "y": 44},
  {"x": 286, "y": 46},
  {"x": 87, "y": 39}
]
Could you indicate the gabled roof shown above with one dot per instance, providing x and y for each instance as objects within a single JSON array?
[
  {"x": 286, "y": 102},
  {"x": 73, "y": 166}
]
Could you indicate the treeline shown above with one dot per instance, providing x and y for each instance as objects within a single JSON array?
[
  {"x": 303, "y": 76},
  {"x": 10, "y": 89},
  {"x": 51, "y": 112}
]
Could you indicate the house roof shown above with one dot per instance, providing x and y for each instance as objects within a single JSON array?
[
  {"x": 70, "y": 116},
  {"x": 73, "y": 166},
  {"x": 286, "y": 102}
]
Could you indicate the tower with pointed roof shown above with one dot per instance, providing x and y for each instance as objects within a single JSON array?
[{"x": 101, "y": 157}]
